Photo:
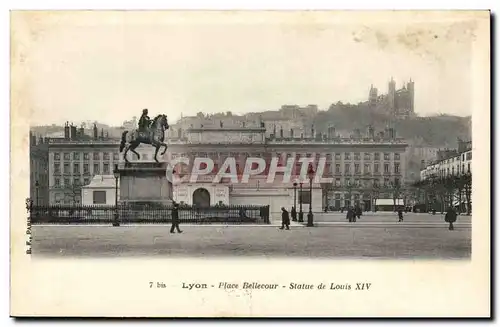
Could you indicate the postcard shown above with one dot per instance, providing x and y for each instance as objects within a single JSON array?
[{"x": 250, "y": 164}]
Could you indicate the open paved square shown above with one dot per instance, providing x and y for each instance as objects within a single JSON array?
[{"x": 375, "y": 239}]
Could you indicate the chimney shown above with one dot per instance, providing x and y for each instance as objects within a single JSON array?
[
  {"x": 82, "y": 131},
  {"x": 66, "y": 131},
  {"x": 72, "y": 132},
  {"x": 312, "y": 130},
  {"x": 301, "y": 135},
  {"x": 392, "y": 133},
  {"x": 291, "y": 133},
  {"x": 95, "y": 131},
  {"x": 102, "y": 133},
  {"x": 281, "y": 131}
]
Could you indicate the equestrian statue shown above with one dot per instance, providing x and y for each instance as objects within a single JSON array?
[{"x": 148, "y": 132}]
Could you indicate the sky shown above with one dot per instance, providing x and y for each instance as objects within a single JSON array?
[{"x": 108, "y": 66}]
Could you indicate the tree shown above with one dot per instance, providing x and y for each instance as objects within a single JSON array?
[
  {"x": 396, "y": 191},
  {"x": 447, "y": 189},
  {"x": 348, "y": 197},
  {"x": 467, "y": 183},
  {"x": 375, "y": 195},
  {"x": 326, "y": 188}
]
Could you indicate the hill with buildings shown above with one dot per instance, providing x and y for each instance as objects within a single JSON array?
[{"x": 432, "y": 131}]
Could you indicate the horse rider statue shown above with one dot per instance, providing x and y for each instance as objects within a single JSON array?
[
  {"x": 144, "y": 123},
  {"x": 150, "y": 131}
]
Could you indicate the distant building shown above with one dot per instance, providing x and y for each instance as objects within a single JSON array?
[
  {"x": 63, "y": 165},
  {"x": 399, "y": 103},
  {"x": 39, "y": 170},
  {"x": 450, "y": 162},
  {"x": 130, "y": 124}
]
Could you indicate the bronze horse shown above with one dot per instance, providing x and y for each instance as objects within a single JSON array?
[{"x": 154, "y": 136}]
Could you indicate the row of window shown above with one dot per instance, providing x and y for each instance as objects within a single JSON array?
[
  {"x": 465, "y": 156},
  {"x": 396, "y": 168},
  {"x": 366, "y": 183},
  {"x": 338, "y": 156},
  {"x": 367, "y": 168},
  {"x": 106, "y": 168},
  {"x": 86, "y": 155},
  {"x": 447, "y": 171},
  {"x": 67, "y": 182}
]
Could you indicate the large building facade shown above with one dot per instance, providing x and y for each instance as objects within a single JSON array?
[
  {"x": 354, "y": 165},
  {"x": 61, "y": 166}
]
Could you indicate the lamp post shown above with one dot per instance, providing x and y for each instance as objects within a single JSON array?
[
  {"x": 294, "y": 216},
  {"x": 301, "y": 214},
  {"x": 310, "y": 215},
  {"x": 37, "y": 185},
  {"x": 116, "y": 173}
]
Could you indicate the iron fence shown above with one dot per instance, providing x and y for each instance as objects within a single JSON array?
[{"x": 128, "y": 214}]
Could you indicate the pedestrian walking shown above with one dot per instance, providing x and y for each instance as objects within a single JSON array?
[
  {"x": 400, "y": 215},
  {"x": 285, "y": 219},
  {"x": 351, "y": 215},
  {"x": 450, "y": 217},
  {"x": 175, "y": 219}
]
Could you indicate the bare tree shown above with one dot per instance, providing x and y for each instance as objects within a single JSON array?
[
  {"x": 375, "y": 195},
  {"x": 396, "y": 191}
]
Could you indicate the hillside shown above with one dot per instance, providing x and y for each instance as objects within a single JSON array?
[{"x": 437, "y": 131}]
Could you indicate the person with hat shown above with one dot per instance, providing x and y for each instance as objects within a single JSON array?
[{"x": 144, "y": 121}]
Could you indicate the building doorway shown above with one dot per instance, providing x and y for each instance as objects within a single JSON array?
[{"x": 201, "y": 197}]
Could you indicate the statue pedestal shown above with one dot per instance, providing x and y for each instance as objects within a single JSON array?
[{"x": 145, "y": 182}]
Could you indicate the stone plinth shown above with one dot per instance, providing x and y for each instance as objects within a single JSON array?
[{"x": 145, "y": 182}]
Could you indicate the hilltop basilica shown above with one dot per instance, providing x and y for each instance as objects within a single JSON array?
[{"x": 397, "y": 103}]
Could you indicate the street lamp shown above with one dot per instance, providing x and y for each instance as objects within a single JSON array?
[
  {"x": 301, "y": 214},
  {"x": 310, "y": 215},
  {"x": 116, "y": 173},
  {"x": 294, "y": 216},
  {"x": 37, "y": 185}
]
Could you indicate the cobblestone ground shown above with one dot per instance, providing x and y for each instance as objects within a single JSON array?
[{"x": 423, "y": 241}]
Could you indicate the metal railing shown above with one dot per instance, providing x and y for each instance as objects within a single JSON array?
[{"x": 138, "y": 214}]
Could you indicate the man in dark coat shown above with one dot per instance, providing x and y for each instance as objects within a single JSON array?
[
  {"x": 400, "y": 215},
  {"x": 351, "y": 215},
  {"x": 285, "y": 219},
  {"x": 450, "y": 217},
  {"x": 175, "y": 219}
]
